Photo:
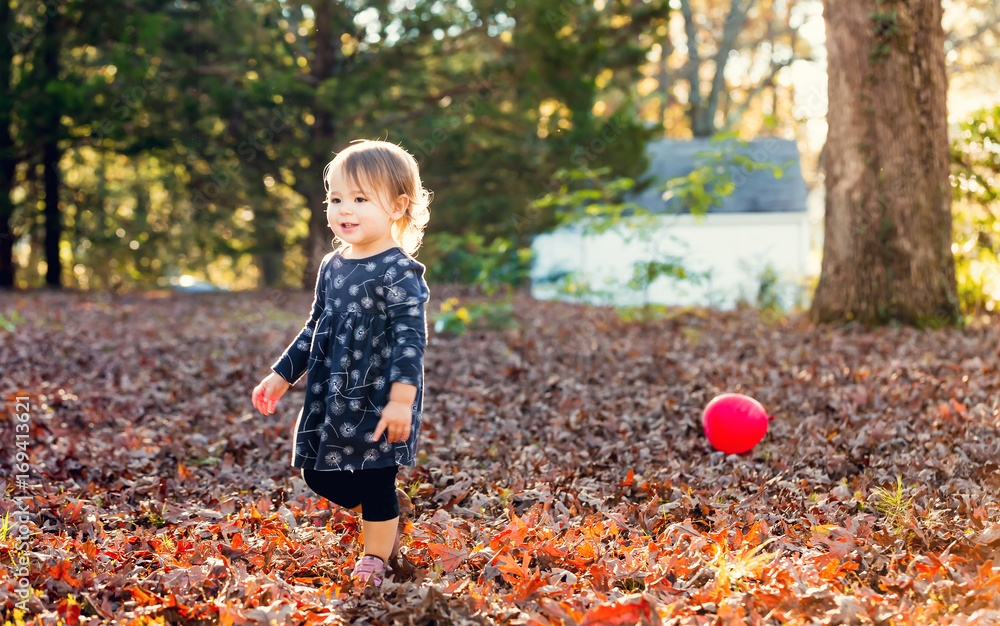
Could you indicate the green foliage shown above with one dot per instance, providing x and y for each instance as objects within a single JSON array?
[
  {"x": 195, "y": 137},
  {"x": 573, "y": 287},
  {"x": 895, "y": 507},
  {"x": 470, "y": 259},
  {"x": 592, "y": 198},
  {"x": 10, "y": 325},
  {"x": 975, "y": 179},
  {"x": 643, "y": 314},
  {"x": 595, "y": 200},
  {"x": 645, "y": 274},
  {"x": 885, "y": 26},
  {"x": 768, "y": 298},
  {"x": 457, "y": 318},
  {"x": 712, "y": 178},
  {"x": 5, "y": 527}
]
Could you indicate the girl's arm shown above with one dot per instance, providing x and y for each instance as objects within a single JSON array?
[
  {"x": 406, "y": 295},
  {"x": 397, "y": 416},
  {"x": 295, "y": 360},
  {"x": 403, "y": 393}
]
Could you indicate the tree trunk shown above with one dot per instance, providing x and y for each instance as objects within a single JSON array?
[
  {"x": 323, "y": 137},
  {"x": 8, "y": 162},
  {"x": 51, "y": 155},
  {"x": 696, "y": 110},
  {"x": 887, "y": 248},
  {"x": 270, "y": 240},
  {"x": 735, "y": 21}
]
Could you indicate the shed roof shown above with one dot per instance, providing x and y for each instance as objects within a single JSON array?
[{"x": 755, "y": 192}]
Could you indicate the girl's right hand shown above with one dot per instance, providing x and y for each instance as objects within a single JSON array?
[{"x": 268, "y": 392}]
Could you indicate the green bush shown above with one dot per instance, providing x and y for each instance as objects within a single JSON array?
[
  {"x": 10, "y": 325},
  {"x": 976, "y": 191},
  {"x": 468, "y": 259},
  {"x": 457, "y": 318}
]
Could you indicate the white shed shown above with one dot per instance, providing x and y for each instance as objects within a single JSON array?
[{"x": 762, "y": 227}]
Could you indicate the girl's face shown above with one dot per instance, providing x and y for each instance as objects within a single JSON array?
[{"x": 358, "y": 216}]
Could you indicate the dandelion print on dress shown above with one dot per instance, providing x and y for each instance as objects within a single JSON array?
[{"x": 367, "y": 329}]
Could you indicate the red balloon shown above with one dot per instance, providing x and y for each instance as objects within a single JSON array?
[{"x": 734, "y": 423}]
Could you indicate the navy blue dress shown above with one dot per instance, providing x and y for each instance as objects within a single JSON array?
[{"x": 367, "y": 330}]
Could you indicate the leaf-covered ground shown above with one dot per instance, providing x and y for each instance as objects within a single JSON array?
[{"x": 564, "y": 474}]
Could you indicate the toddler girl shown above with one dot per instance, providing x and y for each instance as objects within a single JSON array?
[{"x": 362, "y": 348}]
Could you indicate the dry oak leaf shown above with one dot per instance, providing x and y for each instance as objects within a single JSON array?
[
  {"x": 629, "y": 610},
  {"x": 450, "y": 557}
]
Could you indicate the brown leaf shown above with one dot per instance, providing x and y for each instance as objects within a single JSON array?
[
  {"x": 989, "y": 536},
  {"x": 450, "y": 558}
]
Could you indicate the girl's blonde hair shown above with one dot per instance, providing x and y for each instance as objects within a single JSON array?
[{"x": 387, "y": 171}]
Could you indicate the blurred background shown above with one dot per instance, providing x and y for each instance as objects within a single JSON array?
[{"x": 149, "y": 144}]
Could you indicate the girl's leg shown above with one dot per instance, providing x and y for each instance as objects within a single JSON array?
[
  {"x": 379, "y": 511},
  {"x": 373, "y": 493},
  {"x": 335, "y": 487},
  {"x": 379, "y": 537}
]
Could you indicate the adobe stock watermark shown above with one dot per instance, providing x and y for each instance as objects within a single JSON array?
[
  {"x": 19, "y": 521},
  {"x": 18, "y": 40},
  {"x": 124, "y": 107}
]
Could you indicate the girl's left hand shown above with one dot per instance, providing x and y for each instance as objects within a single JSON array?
[{"x": 396, "y": 419}]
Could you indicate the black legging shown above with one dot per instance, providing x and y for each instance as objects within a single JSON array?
[{"x": 373, "y": 489}]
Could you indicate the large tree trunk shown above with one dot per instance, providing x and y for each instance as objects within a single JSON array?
[
  {"x": 323, "y": 137},
  {"x": 887, "y": 249},
  {"x": 52, "y": 154},
  {"x": 8, "y": 162}
]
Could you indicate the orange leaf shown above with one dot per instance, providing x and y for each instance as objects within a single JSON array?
[
  {"x": 626, "y": 611},
  {"x": 63, "y": 571},
  {"x": 228, "y": 616},
  {"x": 456, "y": 586},
  {"x": 143, "y": 597},
  {"x": 518, "y": 529},
  {"x": 498, "y": 543},
  {"x": 509, "y": 565},
  {"x": 587, "y": 550},
  {"x": 927, "y": 570},
  {"x": 526, "y": 589},
  {"x": 629, "y": 478},
  {"x": 237, "y": 541},
  {"x": 71, "y": 512},
  {"x": 69, "y": 611},
  {"x": 183, "y": 473},
  {"x": 450, "y": 557}
]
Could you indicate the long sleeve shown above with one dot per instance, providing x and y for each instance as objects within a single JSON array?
[
  {"x": 406, "y": 294},
  {"x": 294, "y": 362}
]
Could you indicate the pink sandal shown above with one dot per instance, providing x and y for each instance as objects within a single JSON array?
[{"x": 369, "y": 569}]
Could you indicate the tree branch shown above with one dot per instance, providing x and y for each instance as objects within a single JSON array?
[
  {"x": 692, "y": 66},
  {"x": 734, "y": 23},
  {"x": 735, "y": 117}
]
